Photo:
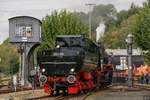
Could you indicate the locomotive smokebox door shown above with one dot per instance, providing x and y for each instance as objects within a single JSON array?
[{"x": 24, "y": 29}]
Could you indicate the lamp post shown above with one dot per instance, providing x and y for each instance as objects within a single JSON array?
[
  {"x": 129, "y": 52},
  {"x": 90, "y": 18}
]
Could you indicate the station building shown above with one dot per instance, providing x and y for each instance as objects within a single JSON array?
[{"x": 119, "y": 57}]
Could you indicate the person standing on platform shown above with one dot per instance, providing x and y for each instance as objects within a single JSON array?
[
  {"x": 142, "y": 79},
  {"x": 147, "y": 78}
]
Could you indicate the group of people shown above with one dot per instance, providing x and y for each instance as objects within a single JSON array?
[{"x": 145, "y": 78}]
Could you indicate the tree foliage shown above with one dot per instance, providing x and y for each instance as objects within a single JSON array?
[
  {"x": 125, "y": 14},
  {"x": 9, "y": 58},
  {"x": 100, "y": 13},
  {"x": 142, "y": 30},
  {"x": 124, "y": 24},
  {"x": 61, "y": 23},
  {"x": 106, "y": 13},
  {"x": 116, "y": 38}
]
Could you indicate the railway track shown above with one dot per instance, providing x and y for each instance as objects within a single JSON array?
[
  {"x": 8, "y": 90},
  {"x": 4, "y": 91},
  {"x": 142, "y": 86},
  {"x": 81, "y": 96},
  {"x": 39, "y": 98},
  {"x": 75, "y": 97},
  {"x": 62, "y": 97},
  {"x": 124, "y": 87}
]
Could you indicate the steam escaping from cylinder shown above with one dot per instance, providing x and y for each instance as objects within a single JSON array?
[{"x": 100, "y": 31}]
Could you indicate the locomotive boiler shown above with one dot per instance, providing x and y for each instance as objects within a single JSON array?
[{"x": 73, "y": 66}]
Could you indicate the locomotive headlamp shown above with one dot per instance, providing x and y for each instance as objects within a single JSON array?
[
  {"x": 43, "y": 70},
  {"x": 58, "y": 46},
  {"x": 72, "y": 69},
  {"x": 71, "y": 79}
]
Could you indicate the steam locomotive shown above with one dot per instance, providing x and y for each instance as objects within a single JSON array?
[{"x": 74, "y": 66}]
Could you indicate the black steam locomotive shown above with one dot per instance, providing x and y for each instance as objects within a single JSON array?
[{"x": 73, "y": 66}]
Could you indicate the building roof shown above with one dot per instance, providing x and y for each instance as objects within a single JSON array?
[
  {"x": 123, "y": 52},
  {"x": 24, "y": 17}
]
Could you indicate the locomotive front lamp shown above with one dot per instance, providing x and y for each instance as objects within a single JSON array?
[
  {"x": 72, "y": 69},
  {"x": 43, "y": 70},
  {"x": 58, "y": 46},
  {"x": 35, "y": 67}
]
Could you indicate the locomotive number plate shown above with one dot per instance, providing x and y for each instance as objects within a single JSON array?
[{"x": 58, "y": 54}]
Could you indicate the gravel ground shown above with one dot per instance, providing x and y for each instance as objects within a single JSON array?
[
  {"x": 120, "y": 95},
  {"x": 23, "y": 95},
  {"x": 101, "y": 95}
]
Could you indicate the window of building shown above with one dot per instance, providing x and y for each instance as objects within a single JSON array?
[{"x": 23, "y": 30}]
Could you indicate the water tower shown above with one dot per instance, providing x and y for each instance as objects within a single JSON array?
[{"x": 25, "y": 32}]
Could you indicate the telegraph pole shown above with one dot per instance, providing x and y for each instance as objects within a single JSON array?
[
  {"x": 90, "y": 18},
  {"x": 129, "y": 51}
]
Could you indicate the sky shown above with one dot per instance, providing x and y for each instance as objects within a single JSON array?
[{"x": 39, "y": 8}]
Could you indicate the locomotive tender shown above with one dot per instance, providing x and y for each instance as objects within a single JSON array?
[{"x": 73, "y": 66}]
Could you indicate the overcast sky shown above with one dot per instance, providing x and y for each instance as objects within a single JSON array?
[{"x": 39, "y": 8}]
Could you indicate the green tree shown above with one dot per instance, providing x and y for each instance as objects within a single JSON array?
[
  {"x": 125, "y": 22},
  {"x": 9, "y": 58},
  {"x": 61, "y": 23},
  {"x": 100, "y": 13},
  {"x": 115, "y": 38},
  {"x": 105, "y": 13},
  {"x": 142, "y": 30},
  {"x": 125, "y": 14}
]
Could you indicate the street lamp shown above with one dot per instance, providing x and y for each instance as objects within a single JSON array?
[
  {"x": 90, "y": 18},
  {"x": 129, "y": 52}
]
